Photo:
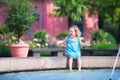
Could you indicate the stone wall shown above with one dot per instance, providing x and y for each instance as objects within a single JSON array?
[{"x": 35, "y": 63}]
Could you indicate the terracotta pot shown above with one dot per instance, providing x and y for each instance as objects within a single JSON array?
[{"x": 19, "y": 50}]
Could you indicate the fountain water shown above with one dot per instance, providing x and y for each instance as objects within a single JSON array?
[{"x": 116, "y": 60}]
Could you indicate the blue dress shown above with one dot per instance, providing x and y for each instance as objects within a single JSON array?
[{"x": 73, "y": 47}]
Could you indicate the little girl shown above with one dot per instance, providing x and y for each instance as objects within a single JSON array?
[{"x": 72, "y": 46}]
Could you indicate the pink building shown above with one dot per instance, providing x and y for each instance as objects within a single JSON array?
[{"x": 54, "y": 25}]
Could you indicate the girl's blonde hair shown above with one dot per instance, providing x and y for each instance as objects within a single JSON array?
[{"x": 77, "y": 31}]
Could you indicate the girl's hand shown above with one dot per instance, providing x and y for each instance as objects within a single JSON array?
[
  {"x": 63, "y": 46},
  {"x": 88, "y": 44}
]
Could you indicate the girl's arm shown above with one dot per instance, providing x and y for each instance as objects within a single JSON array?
[
  {"x": 84, "y": 43},
  {"x": 63, "y": 44}
]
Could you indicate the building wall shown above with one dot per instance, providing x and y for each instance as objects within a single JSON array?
[
  {"x": 47, "y": 21},
  {"x": 90, "y": 24},
  {"x": 1, "y": 13},
  {"x": 53, "y": 24}
]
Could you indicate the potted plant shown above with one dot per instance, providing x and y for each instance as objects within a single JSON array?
[{"x": 19, "y": 17}]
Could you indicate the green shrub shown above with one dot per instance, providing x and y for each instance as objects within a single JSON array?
[
  {"x": 3, "y": 29},
  {"x": 19, "y": 16},
  {"x": 103, "y": 40},
  {"x": 3, "y": 32},
  {"x": 113, "y": 28},
  {"x": 4, "y": 50},
  {"x": 40, "y": 38},
  {"x": 62, "y": 35}
]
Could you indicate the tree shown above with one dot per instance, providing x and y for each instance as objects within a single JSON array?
[
  {"x": 106, "y": 8},
  {"x": 109, "y": 10},
  {"x": 74, "y": 9}
]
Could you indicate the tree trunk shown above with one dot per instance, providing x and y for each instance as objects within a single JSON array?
[
  {"x": 119, "y": 35},
  {"x": 70, "y": 22}
]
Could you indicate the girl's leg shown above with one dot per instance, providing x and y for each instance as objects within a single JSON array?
[
  {"x": 79, "y": 63},
  {"x": 70, "y": 61}
]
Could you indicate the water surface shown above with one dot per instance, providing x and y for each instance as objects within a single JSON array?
[{"x": 84, "y": 74}]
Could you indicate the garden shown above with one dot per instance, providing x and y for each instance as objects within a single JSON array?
[{"x": 18, "y": 23}]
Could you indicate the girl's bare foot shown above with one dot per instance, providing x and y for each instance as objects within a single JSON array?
[
  {"x": 79, "y": 69},
  {"x": 70, "y": 70}
]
